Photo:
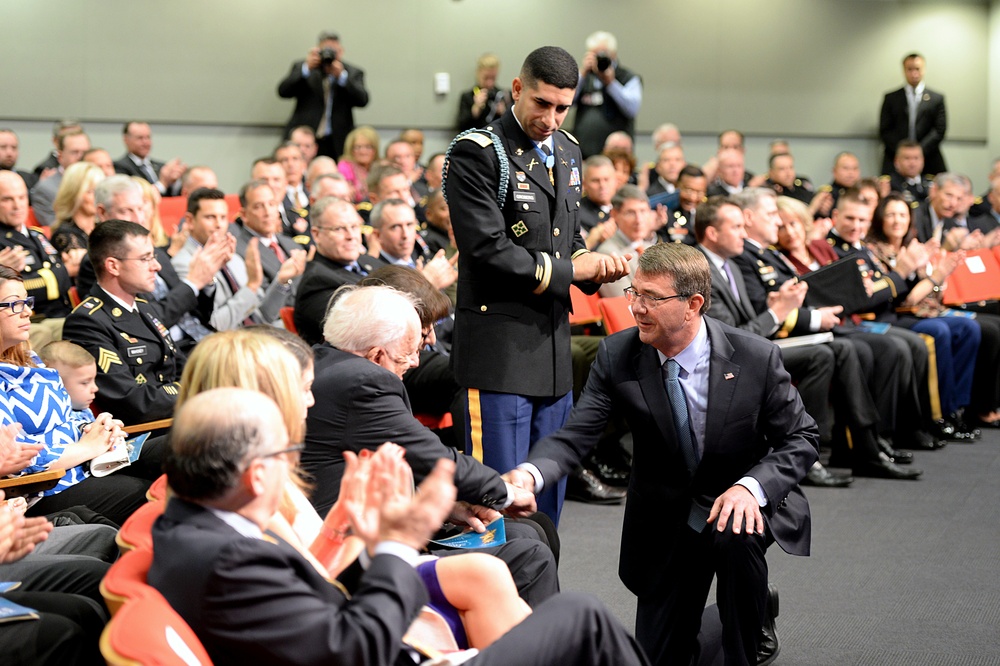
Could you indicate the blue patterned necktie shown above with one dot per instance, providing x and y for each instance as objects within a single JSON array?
[
  {"x": 697, "y": 514},
  {"x": 679, "y": 407}
]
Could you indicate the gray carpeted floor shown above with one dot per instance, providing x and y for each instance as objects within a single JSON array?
[{"x": 901, "y": 572}]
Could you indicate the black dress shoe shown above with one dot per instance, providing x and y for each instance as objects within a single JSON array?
[
  {"x": 769, "y": 647},
  {"x": 583, "y": 486},
  {"x": 942, "y": 429},
  {"x": 883, "y": 468},
  {"x": 921, "y": 440},
  {"x": 898, "y": 457},
  {"x": 610, "y": 474},
  {"x": 963, "y": 431},
  {"x": 821, "y": 477}
]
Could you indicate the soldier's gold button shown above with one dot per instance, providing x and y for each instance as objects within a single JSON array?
[
  {"x": 46, "y": 264},
  {"x": 525, "y": 206},
  {"x": 482, "y": 308},
  {"x": 139, "y": 361},
  {"x": 555, "y": 232},
  {"x": 558, "y": 256}
]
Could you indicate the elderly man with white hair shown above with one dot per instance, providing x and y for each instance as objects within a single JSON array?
[{"x": 373, "y": 336}]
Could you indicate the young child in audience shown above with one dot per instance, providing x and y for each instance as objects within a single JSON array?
[{"x": 78, "y": 371}]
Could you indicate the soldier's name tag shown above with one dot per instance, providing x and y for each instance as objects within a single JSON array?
[
  {"x": 136, "y": 351},
  {"x": 524, "y": 196},
  {"x": 29, "y": 259}
]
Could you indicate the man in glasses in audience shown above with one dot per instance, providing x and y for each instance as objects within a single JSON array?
[{"x": 138, "y": 364}]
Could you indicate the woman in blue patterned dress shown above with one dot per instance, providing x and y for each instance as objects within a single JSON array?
[{"x": 34, "y": 396}]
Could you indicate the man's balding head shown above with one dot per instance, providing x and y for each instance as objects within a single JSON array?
[{"x": 215, "y": 435}]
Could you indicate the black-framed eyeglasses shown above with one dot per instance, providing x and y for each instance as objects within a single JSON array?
[
  {"x": 632, "y": 296},
  {"x": 148, "y": 259},
  {"x": 17, "y": 307},
  {"x": 297, "y": 448}
]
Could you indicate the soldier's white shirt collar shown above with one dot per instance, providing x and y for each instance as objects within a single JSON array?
[{"x": 131, "y": 308}]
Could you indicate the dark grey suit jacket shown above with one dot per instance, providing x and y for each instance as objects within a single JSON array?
[
  {"x": 254, "y": 601},
  {"x": 931, "y": 125}
]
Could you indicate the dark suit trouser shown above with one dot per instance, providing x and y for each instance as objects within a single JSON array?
[
  {"x": 668, "y": 620},
  {"x": 66, "y": 633},
  {"x": 571, "y": 629},
  {"x": 914, "y": 394},
  {"x": 812, "y": 370},
  {"x": 882, "y": 363},
  {"x": 986, "y": 380},
  {"x": 852, "y": 384}
]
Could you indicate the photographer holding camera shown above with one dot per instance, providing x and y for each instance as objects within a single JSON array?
[
  {"x": 325, "y": 89},
  {"x": 608, "y": 96}
]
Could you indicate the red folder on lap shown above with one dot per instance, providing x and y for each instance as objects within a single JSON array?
[{"x": 975, "y": 279}]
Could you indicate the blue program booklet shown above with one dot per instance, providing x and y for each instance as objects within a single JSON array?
[
  {"x": 494, "y": 535},
  {"x": 874, "y": 327},
  {"x": 11, "y": 612}
]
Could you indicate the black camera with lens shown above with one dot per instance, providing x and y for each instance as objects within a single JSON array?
[
  {"x": 603, "y": 61},
  {"x": 327, "y": 57}
]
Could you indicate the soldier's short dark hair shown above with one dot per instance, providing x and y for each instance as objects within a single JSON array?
[
  {"x": 551, "y": 65},
  {"x": 691, "y": 171},
  {"x": 108, "y": 240}
]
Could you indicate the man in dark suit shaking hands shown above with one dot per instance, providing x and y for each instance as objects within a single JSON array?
[
  {"x": 917, "y": 113},
  {"x": 721, "y": 441}
]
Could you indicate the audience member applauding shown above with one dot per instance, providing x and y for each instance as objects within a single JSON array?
[
  {"x": 35, "y": 397},
  {"x": 360, "y": 152},
  {"x": 926, "y": 268},
  {"x": 75, "y": 213}
]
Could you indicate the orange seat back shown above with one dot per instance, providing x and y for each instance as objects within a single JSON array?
[
  {"x": 126, "y": 579},
  {"x": 147, "y": 631},
  {"x": 158, "y": 490},
  {"x": 137, "y": 532},
  {"x": 585, "y": 307},
  {"x": 288, "y": 318},
  {"x": 172, "y": 210},
  {"x": 617, "y": 316}
]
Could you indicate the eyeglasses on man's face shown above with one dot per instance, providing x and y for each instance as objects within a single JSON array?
[{"x": 633, "y": 296}]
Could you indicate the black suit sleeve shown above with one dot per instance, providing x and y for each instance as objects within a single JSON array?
[
  {"x": 930, "y": 141},
  {"x": 380, "y": 397},
  {"x": 294, "y": 85},
  {"x": 354, "y": 89},
  {"x": 256, "y": 588}
]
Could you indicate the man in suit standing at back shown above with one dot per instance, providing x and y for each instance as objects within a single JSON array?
[
  {"x": 914, "y": 112},
  {"x": 721, "y": 443},
  {"x": 325, "y": 89}
]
